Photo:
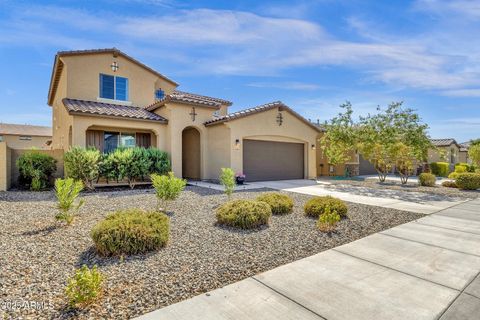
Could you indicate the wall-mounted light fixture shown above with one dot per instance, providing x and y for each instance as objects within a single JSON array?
[
  {"x": 313, "y": 147},
  {"x": 237, "y": 144}
]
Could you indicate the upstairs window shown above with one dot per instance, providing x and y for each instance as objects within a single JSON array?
[
  {"x": 113, "y": 87},
  {"x": 159, "y": 94}
]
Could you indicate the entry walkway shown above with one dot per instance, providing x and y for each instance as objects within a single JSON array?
[{"x": 426, "y": 269}]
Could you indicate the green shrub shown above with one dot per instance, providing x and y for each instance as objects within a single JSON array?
[
  {"x": 227, "y": 180},
  {"x": 328, "y": 220},
  {"x": 244, "y": 214},
  {"x": 67, "y": 191},
  {"x": 449, "y": 184},
  {"x": 460, "y": 169},
  {"x": 84, "y": 287},
  {"x": 468, "y": 181},
  {"x": 427, "y": 179},
  {"x": 35, "y": 169},
  {"x": 440, "y": 169},
  {"x": 468, "y": 167},
  {"x": 453, "y": 175},
  {"x": 160, "y": 162},
  {"x": 167, "y": 188},
  {"x": 83, "y": 164},
  {"x": 316, "y": 206},
  {"x": 131, "y": 232},
  {"x": 279, "y": 203}
]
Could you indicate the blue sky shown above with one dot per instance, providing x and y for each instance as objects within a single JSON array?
[{"x": 312, "y": 55}]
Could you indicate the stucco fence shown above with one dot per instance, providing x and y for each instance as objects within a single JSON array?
[{"x": 8, "y": 170}]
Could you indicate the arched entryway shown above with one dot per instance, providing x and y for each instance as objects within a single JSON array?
[{"x": 191, "y": 153}]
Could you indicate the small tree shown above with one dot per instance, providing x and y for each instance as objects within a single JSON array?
[
  {"x": 227, "y": 179},
  {"x": 67, "y": 191},
  {"x": 167, "y": 188},
  {"x": 339, "y": 140},
  {"x": 83, "y": 164},
  {"x": 384, "y": 137},
  {"x": 474, "y": 154}
]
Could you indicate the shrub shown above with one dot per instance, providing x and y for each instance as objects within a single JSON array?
[
  {"x": 84, "y": 287},
  {"x": 328, "y": 220},
  {"x": 449, "y": 184},
  {"x": 427, "y": 179},
  {"x": 244, "y": 214},
  {"x": 453, "y": 175},
  {"x": 35, "y": 169},
  {"x": 468, "y": 167},
  {"x": 130, "y": 163},
  {"x": 279, "y": 203},
  {"x": 167, "y": 188},
  {"x": 316, "y": 206},
  {"x": 460, "y": 169},
  {"x": 440, "y": 169},
  {"x": 227, "y": 179},
  {"x": 67, "y": 191},
  {"x": 160, "y": 162},
  {"x": 468, "y": 181},
  {"x": 131, "y": 232},
  {"x": 83, "y": 164}
]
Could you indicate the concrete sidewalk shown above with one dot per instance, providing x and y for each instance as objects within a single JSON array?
[{"x": 425, "y": 269}]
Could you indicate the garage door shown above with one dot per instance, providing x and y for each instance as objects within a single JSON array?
[{"x": 268, "y": 160}]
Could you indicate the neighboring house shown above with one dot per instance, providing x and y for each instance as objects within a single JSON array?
[
  {"x": 105, "y": 99},
  {"x": 21, "y": 137},
  {"x": 463, "y": 152},
  {"x": 447, "y": 150}
]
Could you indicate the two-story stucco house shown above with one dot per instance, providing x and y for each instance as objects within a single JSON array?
[
  {"x": 105, "y": 99},
  {"x": 446, "y": 150}
]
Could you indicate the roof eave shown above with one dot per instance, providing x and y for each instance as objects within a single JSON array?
[{"x": 88, "y": 114}]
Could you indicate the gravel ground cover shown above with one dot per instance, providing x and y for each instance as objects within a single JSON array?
[
  {"x": 38, "y": 255},
  {"x": 409, "y": 187}
]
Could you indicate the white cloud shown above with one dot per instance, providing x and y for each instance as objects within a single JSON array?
[
  {"x": 285, "y": 85},
  {"x": 462, "y": 93}
]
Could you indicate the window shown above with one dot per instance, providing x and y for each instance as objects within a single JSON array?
[
  {"x": 113, "y": 140},
  {"x": 26, "y": 138},
  {"x": 159, "y": 94},
  {"x": 113, "y": 87},
  {"x": 1, "y": 138}
]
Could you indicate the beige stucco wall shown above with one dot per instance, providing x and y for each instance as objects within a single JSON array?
[
  {"x": 219, "y": 150},
  {"x": 5, "y": 166},
  {"x": 14, "y": 142},
  {"x": 61, "y": 120},
  {"x": 434, "y": 154},
  {"x": 84, "y": 72},
  {"x": 264, "y": 126},
  {"x": 179, "y": 118},
  {"x": 463, "y": 156}
]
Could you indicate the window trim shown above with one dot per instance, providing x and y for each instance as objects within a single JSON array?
[
  {"x": 100, "y": 87},
  {"x": 25, "y": 138}
]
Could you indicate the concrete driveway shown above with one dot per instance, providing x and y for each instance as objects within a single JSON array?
[
  {"x": 401, "y": 200},
  {"x": 426, "y": 269}
]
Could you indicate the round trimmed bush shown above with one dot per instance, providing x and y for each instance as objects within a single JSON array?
[
  {"x": 131, "y": 232},
  {"x": 244, "y": 214},
  {"x": 427, "y": 179},
  {"x": 453, "y": 175},
  {"x": 279, "y": 203},
  {"x": 468, "y": 181},
  {"x": 316, "y": 206},
  {"x": 449, "y": 184}
]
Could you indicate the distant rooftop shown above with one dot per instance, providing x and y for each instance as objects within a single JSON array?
[
  {"x": 25, "y": 130},
  {"x": 443, "y": 142}
]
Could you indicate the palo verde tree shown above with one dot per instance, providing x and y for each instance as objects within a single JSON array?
[
  {"x": 396, "y": 137},
  {"x": 339, "y": 140},
  {"x": 474, "y": 152}
]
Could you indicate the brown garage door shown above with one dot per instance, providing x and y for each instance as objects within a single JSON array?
[{"x": 268, "y": 160}]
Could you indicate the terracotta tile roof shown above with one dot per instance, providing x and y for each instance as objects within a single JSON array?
[
  {"x": 190, "y": 98},
  {"x": 58, "y": 66},
  {"x": 443, "y": 142},
  {"x": 25, "y": 130},
  {"x": 258, "y": 109},
  {"x": 75, "y": 106}
]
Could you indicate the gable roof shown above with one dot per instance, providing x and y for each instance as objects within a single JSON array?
[
  {"x": 58, "y": 66},
  {"x": 264, "y": 107},
  {"x": 189, "y": 98},
  {"x": 79, "y": 107},
  {"x": 25, "y": 130},
  {"x": 443, "y": 142}
]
